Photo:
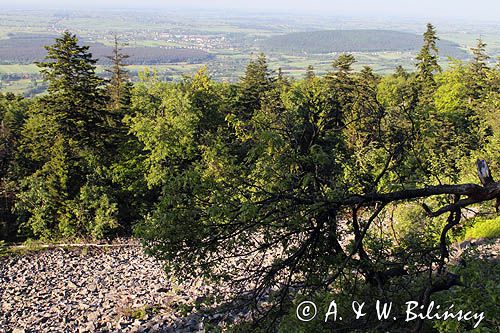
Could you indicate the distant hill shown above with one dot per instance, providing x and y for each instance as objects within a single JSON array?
[
  {"x": 26, "y": 49},
  {"x": 329, "y": 41}
]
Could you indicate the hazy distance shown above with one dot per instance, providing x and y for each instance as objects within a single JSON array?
[{"x": 484, "y": 10}]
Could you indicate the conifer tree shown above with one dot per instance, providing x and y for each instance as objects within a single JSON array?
[
  {"x": 119, "y": 98},
  {"x": 401, "y": 72},
  {"x": 341, "y": 82},
  {"x": 12, "y": 115},
  {"x": 75, "y": 98},
  {"x": 479, "y": 70},
  {"x": 480, "y": 58},
  {"x": 366, "y": 109},
  {"x": 428, "y": 57},
  {"x": 341, "y": 77},
  {"x": 281, "y": 79},
  {"x": 118, "y": 88},
  {"x": 65, "y": 137},
  {"x": 257, "y": 80},
  {"x": 310, "y": 73},
  {"x": 343, "y": 64}
]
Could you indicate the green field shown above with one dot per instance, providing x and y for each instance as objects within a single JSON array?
[
  {"x": 24, "y": 69},
  {"x": 16, "y": 87}
]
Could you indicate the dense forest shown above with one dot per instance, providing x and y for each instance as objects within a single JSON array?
[
  {"x": 345, "y": 186},
  {"x": 330, "y": 41}
]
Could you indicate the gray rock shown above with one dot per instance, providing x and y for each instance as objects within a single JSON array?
[{"x": 62, "y": 291}]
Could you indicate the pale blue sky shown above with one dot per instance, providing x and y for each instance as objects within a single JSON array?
[{"x": 466, "y": 9}]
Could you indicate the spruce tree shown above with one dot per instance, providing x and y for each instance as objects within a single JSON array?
[
  {"x": 480, "y": 58},
  {"x": 342, "y": 83},
  {"x": 479, "y": 70},
  {"x": 75, "y": 98},
  {"x": 366, "y": 110},
  {"x": 119, "y": 83},
  {"x": 65, "y": 137},
  {"x": 401, "y": 72},
  {"x": 257, "y": 80},
  {"x": 12, "y": 115},
  {"x": 428, "y": 57},
  {"x": 310, "y": 73},
  {"x": 119, "y": 89}
]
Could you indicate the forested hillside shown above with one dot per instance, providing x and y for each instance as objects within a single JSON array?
[
  {"x": 347, "y": 186},
  {"x": 331, "y": 41},
  {"x": 26, "y": 49}
]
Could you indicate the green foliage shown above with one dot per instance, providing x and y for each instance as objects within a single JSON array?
[
  {"x": 427, "y": 64},
  {"x": 480, "y": 293},
  {"x": 93, "y": 211},
  {"x": 140, "y": 313},
  {"x": 65, "y": 139},
  {"x": 484, "y": 228},
  {"x": 257, "y": 80},
  {"x": 359, "y": 40},
  {"x": 118, "y": 87},
  {"x": 171, "y": 120},
  {"x": 264, "y": 177},
  {"x": 479, "y": 68},
  {"x": 278, "y": 156},
  {"x": 12, "y": 115},
  {"x": 409, "y": 220}
]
